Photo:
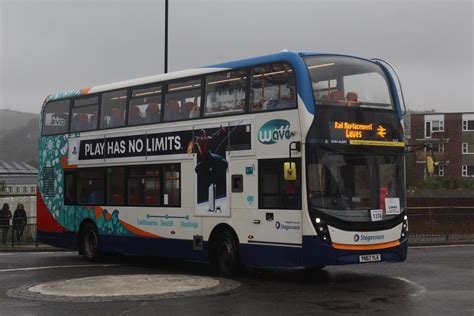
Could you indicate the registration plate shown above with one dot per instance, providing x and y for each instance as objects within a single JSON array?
[{"x": 370, "y": 258}]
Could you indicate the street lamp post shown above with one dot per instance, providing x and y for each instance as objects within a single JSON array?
[{"x": 166, "y": 36}]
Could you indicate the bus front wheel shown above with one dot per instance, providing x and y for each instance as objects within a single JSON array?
[
  {"x": 89, "y": 242},
  {"x": 225, "y": 254}
]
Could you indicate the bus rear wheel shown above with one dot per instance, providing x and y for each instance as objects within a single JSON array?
[
  {"x": 89, "y": 242},
  {"x": 225, "y": 254}
]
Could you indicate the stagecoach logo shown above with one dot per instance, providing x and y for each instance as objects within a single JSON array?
[
  {"x": 288, "y": 225},
  {"x": 368, "y": 238},
  {"x": 273, "y": 131}
]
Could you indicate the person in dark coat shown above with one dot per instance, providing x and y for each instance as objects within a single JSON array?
[
  {"x": 5, "y": 216},
  {"x": 19, "y": 221}
]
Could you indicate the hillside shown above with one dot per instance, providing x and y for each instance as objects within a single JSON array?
[
  {"x": 19, "y": 136},
  {"x": 10, "y": 119}
]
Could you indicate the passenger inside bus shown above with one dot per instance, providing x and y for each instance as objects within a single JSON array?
[
  {"x": 80, "y": 122},
  {"x": 189, "y": 110},
  {"x": 172, "y": 111},
  {"x": 352, "y": 98},
  {"x": 152, "y": 113},
  {"x": 117, "y": 118},
  {"x": 135, "y": 116}
]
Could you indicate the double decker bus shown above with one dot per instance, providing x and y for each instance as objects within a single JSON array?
[{"x": 293, "y": 159}]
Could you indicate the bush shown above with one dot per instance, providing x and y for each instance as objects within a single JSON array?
[{"x": 447, "y": 183}]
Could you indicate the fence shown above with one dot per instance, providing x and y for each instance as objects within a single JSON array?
[
  {"x": 13, "y": 235},
  {"x": 29, "y": 234},
  {"x": 441, "y": 222}
]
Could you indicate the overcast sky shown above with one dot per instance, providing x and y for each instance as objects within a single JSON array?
[{"x": 48, "y": 46}]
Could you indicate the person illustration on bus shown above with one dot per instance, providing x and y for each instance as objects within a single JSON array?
[{"x": 211, "y": 166}]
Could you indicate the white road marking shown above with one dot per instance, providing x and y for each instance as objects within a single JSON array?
[
  {"x": 36, "y": 253},
  {"x": 50, "y": 252},
  {"x": 58, "y": 267},
  {"x": 442, "y": 246},
  {"x": 420, "y": 289}
]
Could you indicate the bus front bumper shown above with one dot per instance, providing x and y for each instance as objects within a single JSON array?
[{"x": 317, "y": 253}]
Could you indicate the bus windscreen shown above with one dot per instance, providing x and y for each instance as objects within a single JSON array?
[{"x": 351, "y": 82}]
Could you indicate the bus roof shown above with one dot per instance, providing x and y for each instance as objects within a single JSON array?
[{"x": 294, "y": 58}]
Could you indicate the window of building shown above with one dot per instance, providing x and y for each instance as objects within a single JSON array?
[
  {"x": 226, "y": 93},
  {"x": 56, "y": 117},
  {"x": 468, "y": 125},
  {"x": 17, "y": 189},
  {"x": 437, "y": 147},
  {"x": 183, "y": 100},
  {"x": 272, "y": 88},
  {"x": 273, "y": 191},
  {"x": 427, "y": 129},
  {"x": 441, "y": 170},
  {"x": 467, "y": 171},
  {"x": 113, "y": 109},
  {"x": 116, "y": 186},
  {"x": 144, "y": 185},
  {"x": 437, "y": 126},
  {"x": 32, "y": 189},
  {"x": 90, "y": 186},
  {"x": 145, "y": 106},
  {"x": 25, "y": 189},
  {"x": 467, "y": 148},
  {"x": 9, "y": 189},
  {"x": 84, "y": 114}
]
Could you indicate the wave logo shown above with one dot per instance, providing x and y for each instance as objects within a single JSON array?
[
  {"x": 273, "y": 131},
  {"x": 356, "y": 237}
]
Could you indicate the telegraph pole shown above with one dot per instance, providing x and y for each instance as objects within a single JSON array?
[{"x": 166, "y": 36}]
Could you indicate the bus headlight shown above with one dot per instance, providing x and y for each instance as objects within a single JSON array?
[
  {"x": 322, "y": 230},
  {"x": 404, "y": 227}
]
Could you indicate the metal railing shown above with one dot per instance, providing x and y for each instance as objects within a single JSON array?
[
  {"x": 442, "y": 222},
  {"x": 13, "y": 235}
]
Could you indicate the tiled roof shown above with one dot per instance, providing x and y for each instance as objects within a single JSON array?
[{"x": 16, "y": 168}]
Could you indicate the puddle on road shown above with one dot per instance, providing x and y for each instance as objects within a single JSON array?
[{"x": 343, "y": 292}]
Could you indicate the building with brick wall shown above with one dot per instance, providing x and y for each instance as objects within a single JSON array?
[{"x": 451, "y": 135}]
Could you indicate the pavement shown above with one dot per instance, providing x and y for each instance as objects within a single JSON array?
[
  {"x": 433, "y": 281},
  {"x": 29, "y": 248}
]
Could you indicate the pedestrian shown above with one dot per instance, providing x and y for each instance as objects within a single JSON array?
[
  {"x": 19, "y": 221},
  {"x": 5, "y": 216}
]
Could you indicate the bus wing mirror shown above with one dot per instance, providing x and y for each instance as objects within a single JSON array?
[{"x": 289, "y": 171}]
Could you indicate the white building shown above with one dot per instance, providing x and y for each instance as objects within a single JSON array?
[{"x": 19, "y": 179}]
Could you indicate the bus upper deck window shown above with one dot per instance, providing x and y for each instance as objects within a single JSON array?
[
  {"x": 84, "y": 114},
  {"x": 145, "y": 106},
  {"x": 56, "y": 117},
  {"x": 113, "y": 109},
  {"x": 272, "y": 88},
  {"x": 226, "y": 93},
  {"x": 183, "y": 100}
]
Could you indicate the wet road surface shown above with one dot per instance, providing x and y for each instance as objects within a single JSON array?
[{"x": 434, "y": 280}]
